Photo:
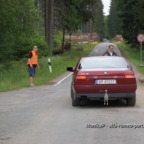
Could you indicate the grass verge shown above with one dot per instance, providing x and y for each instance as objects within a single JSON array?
[
  {"x": 15, "y": 74},
  {"x": 133, "y": 54}
]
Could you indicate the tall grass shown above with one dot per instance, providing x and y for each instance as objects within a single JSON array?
[
  {"x": 133, "y": 54},
  {"x": 14, "y": 75}
]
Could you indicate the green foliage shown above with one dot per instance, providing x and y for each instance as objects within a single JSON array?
[
  {"x": 75, "y": 12},
  {"x": 78, "y": 31},
  {"x": 106, "y": 29},
  {"x": 57, "y": 40},
  {"x": 70, "y": 19},
  {"x": 98, "y": 18},
  {"x": 85, "y": 12},
  {"x": 57, "y": 43},
  {"x": 132, "y": 18},
  {"x": 133, "y": 54},
  {"x": 14, "y": 75},
  {"x": 42, "y": 45},
  {"x": 113, "y": 21},
  {"x": 22, "y": 24},
  {"x": 69, "y": 16},
  {"x": 19, "y": 29}
]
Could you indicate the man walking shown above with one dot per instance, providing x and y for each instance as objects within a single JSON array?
[
  {"x": 32, "y": 64},
  {"x": 110, "y": 51}
]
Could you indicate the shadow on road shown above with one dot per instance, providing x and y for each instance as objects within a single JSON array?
[{"x": 100, "y": 104}]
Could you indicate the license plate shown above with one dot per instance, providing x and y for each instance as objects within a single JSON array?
[{"x": 110, "y": 81}]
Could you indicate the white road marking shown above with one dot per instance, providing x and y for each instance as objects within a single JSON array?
[{"x": 62, "y": 79}]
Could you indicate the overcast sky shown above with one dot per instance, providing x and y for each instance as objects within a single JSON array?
[{"x": 106, "y": 4}]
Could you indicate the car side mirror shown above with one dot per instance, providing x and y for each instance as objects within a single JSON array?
[{"x": 70, "y": 69}]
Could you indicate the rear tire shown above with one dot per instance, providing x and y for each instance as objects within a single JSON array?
[
  {"x": 131, "y": 101},
  {"x": 75, "y": 102}
]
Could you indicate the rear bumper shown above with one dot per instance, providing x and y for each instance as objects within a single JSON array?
[
  {"x": 101, "y": 95},
  {"x": 127, "y": 88}
]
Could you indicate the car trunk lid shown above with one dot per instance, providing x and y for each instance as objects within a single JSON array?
[{"x": 100, "y": 80}]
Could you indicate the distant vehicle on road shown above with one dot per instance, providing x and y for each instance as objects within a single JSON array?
[
  {"x": 103, "y": 78},
  {"x": 101, "y": 48},
  {"x": 105, "y": 40}
]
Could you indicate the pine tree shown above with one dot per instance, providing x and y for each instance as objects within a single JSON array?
[
  {"x": 98, "y": 18},
  {"x": 131, "y": 16},
  {"x": 18, "y": 25},
  {"x": 114, "y": 27}
]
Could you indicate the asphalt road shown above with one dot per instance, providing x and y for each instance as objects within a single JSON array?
[
  {"x": 102, "y": 48},
  {"x": 44, "y": 115}
]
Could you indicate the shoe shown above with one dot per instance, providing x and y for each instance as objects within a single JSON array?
[{"x": 32, "y": 85}]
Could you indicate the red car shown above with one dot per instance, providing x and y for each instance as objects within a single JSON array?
[{"x": 103, "y": 78}]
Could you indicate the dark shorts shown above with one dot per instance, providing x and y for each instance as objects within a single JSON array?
[{"x": 32, "y": 71}]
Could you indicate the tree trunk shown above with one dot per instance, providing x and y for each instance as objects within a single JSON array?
[
  {"x": 63, "y": 40},
  {"x": 46, "y": 20},
  {"x": 49, "y": 16}
]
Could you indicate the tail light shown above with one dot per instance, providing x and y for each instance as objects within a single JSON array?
[
  {"x": 81, "y": 77},
  {"x": 129, "y": 76}
]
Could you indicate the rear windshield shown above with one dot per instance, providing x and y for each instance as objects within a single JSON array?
[{"x": 103, "y": 63}]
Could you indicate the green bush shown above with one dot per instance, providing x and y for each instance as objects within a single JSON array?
[
  {"x": 14, "y": 74},
  {"x": 42, "y": 46},
  {"x": 57, "y": 51},
  {"x": 57, "y": 42},
  {"x": 21, "y": 46},
  {"x": 26, "y": 45}
]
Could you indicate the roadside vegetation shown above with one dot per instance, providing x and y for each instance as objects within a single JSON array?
[
  {"x": 133, "y": 54},
  {"x": 24, "y": 24},
  {"x": 14, "y": 75},
  {"x": 44, "y": 23},
  {"x": 126, "y": 18}
]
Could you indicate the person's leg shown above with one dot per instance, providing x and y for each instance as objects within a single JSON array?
[
  {"x": 34, "y": 71},
  {"x": 31, "y": 81},
  {"x": 31, "y": 74}
]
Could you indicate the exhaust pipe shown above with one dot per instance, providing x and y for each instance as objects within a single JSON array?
[{"x": 106, "y": 98}]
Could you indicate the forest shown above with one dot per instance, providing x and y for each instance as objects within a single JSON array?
[
  {"x": 125, "y": 18},
  {"x": 24, "y": 23}
]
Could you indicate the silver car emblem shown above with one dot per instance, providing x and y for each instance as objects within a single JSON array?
[{"x": 105, "y": 73}]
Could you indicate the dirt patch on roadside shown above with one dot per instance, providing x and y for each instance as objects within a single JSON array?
[{"x": 6, "y": 138}]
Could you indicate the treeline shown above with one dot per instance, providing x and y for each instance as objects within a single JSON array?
[
  {"x": 126, "y": 18},
  {"x": 19, "y": 29},
  {"x": 24, "y": 23}
]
